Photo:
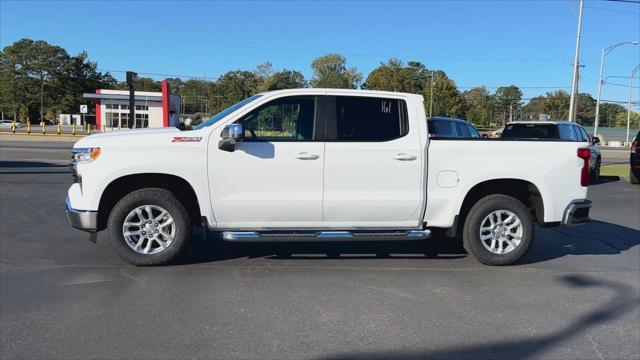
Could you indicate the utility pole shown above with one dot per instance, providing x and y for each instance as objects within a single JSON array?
[
  {"x": 132, "y": 79},
  {"x": 511, "y": 111},
  {"x": 576, "y": 60},
  {"x": 633, "y": 73},
  {"x": 431, "y": 100},
  {"x": 41, "y": 98}
]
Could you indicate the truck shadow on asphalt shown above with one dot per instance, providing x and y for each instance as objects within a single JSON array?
[
  {"x": 623, "y": 300},
  {"x": 594, "y": 238},
  {"x": 604, "y": 179}
]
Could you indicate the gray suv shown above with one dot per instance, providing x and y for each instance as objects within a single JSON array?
[{"x": 560, "y": 130}]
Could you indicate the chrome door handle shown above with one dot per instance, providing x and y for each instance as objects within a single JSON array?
[
  {"x": 404, "y": 157},
  {"x": 306, "y": 156}
]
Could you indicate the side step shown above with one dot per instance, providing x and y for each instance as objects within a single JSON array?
[{"x": 268, "y": 236}]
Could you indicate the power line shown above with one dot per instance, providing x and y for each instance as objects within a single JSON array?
[
  {"x": 613, "y": 10},
  {"x": 626, "y": 1}
]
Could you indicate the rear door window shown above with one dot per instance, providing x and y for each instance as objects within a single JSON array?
[
  {"x": 370, "y": 119},
  {"x": 462, "y": 130}
]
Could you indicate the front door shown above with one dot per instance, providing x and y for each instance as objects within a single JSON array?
[
  {"x": 273, "y": 178},
  {"x": 373, "y": 165}
]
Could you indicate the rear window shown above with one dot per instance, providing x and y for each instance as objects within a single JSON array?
[{"x": 530, "y": 131}]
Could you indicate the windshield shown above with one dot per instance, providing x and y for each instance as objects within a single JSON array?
[{"x": 222, "y": 114}]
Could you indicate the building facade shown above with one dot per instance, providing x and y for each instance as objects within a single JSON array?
[{"x": 152, "y": 109}]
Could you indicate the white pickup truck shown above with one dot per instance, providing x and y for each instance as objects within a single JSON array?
[{"x": 322, "y": 164}]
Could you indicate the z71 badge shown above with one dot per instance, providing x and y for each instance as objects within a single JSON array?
[{"x": 186, "y": 139}]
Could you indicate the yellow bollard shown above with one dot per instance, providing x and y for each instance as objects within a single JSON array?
[
  {"x": 88, "y": 129},
  {"x": 73, "y": 129},
  {"x": 44, "y": 130},
  {"x": 13, "y": 127},
  {"x": 58, "y": 128},
  {"x": 28, "y": 127}
]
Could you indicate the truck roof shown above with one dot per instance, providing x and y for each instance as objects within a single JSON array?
[{"x": 360, "y": 92}]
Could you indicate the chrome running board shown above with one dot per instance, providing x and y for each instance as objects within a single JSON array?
[{"x": 298, "y": 236}]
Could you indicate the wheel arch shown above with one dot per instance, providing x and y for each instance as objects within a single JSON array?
[
  {"x": 126, "y": 184},
  {"x": 522, "y": 190}
]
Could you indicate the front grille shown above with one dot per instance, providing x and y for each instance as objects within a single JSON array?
[{"x": 74, "y": 171}]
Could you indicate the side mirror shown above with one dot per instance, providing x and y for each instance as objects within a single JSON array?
[
  {"x": 230, "y": 134},
  {"x": 595, "y": 140}
]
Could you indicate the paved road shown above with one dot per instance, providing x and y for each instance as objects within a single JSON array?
[{"x": 576, "y": 295}]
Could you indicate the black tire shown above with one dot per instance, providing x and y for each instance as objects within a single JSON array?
[
  {"x": 632, "y": 177},
  {"x": 595, "y": 174},
  {"x": 471, "y": 231},
  {"x": 149, "y": 196}
]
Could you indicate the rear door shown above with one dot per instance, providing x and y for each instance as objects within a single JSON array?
[{"x": 373, "y": 164}]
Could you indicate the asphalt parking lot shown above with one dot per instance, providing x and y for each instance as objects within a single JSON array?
[{"x": 575, "y": 296}]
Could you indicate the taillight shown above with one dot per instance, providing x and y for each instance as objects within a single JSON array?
[
  {"x": 584, "y": 154},
  {"x": 634, "y": 146}
]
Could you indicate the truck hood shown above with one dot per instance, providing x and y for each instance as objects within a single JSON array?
[{"x": 129, "y": 137}]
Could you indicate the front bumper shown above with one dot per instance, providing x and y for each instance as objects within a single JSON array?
[
  {"x": 577, "y": 212},
  {"x": 82, "y": 219}
]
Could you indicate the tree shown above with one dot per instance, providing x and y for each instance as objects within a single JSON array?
[
  {"x": 507, "y": 101},
  {"x": 284, "y": 79},
  {"x": 556, "y": 105},
  {"x": 447, "y": 100},
  {"x": 621, "y": 121},
  {"x": 394, "y": 76},
  {"x": 480, "y": 105},
  {"x": 609, "y": 114},
  {"x": 331, "y": 71},
  {"x": 234, "y": 86},
  {"x": 44, "y": 78}
]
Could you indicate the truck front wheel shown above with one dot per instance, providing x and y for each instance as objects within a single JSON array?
[
  {"x": 149, "y": 227},
  {"x": 498, "y": 230}
]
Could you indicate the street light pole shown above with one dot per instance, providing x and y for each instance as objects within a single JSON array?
[
  {"x": 574, "y": 84},
  {"x": 604, "y": 53},
  {"x": 633, "y": 73}
]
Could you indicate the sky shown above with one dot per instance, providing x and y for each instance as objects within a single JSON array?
[{"x": 530, "y": 44}]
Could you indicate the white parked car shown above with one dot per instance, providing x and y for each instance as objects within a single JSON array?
[
  {"x": 6, "y": 124},
  {"x": 322, "y": 164}
]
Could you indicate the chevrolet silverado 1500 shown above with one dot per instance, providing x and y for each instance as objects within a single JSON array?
[{"x": 322, "y": 164}]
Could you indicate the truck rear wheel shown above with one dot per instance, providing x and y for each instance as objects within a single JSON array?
[
  {"x": 149, "y": 227},
  {"x": 498, "y": 230}
]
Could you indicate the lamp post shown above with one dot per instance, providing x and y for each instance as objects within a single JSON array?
[
  {"x": 633, "y": 73},
  {"x": 576, "y": 64},
  {"x": 604, "y": 53}
]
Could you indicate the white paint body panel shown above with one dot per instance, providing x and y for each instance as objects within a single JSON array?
[
  {"x": 349, "y": 186},
  {"x": 552, "y": 166}
]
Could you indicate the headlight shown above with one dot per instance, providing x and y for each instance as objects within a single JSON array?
[{"x": 85, "y": 154}]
